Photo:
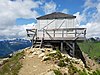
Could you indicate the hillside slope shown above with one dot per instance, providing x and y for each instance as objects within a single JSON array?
[
  {"x": 47, "y": 62},
  {"x": 51, "y": 62},
  {"x": 92, "y": 49}
]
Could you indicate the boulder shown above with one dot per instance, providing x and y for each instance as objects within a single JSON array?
[
  {"x": 43, "y": 50},
  {"x": 45, "y": 58},
  {"x": 50, "y": 73},
  {"x": 31, "y": 55},
  {"x": 32, "y": 50},
  {"x": 53, "y": 52},
  {"x": 41, "y": 55},
  {"x": 38, "y": 52},
  {"x": 34, "y": 53}
]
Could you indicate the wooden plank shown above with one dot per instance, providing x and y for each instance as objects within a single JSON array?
[
  {"x": 62, "y": 33},
  {"x": 65, "y": 29},
  {"x": 53, "y": 33},
  {"x": 73, "y": 49},
  {"x": 69, "y": 45},
  {"x": 62, "y": 38},
  {"x": 61, "y": 45},
  {"x": 65, "y": 33}
]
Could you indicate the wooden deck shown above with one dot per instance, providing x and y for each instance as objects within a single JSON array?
[{"x": 58, "y": 38}]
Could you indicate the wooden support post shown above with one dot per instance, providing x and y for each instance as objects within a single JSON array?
[
  {"x": 73, "y": 49},
  {"x": 62, "y": 33},
  {"x": 43, "y": 33},
  {"x": 54, "y": 34},
  {"x": 32, "y": 43},
  {"x": 75, "y": 32},
  {"x": 61, "y": 45},
  {"x": 36, "y": 33},
  {"x": 84, "y": 33}
]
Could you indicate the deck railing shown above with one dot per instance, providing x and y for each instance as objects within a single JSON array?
[
  {"x": 61, "y": 32},
  {"x": 65, "y": 32}
]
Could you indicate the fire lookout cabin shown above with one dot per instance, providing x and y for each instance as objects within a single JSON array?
[{"x": 57, "y": 29}]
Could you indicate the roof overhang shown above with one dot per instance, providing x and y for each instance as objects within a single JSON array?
[{"x": 56, "y": 15}]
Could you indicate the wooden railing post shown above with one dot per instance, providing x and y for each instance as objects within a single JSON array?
[
  {"x": 54, "y": 33},
  {"x": 85, "y": 33},
  {"x": 75, "y": 32},
  {"x": 61, "y": 45},
  {"x": 35, "y": 33},
  {"x": 73, "y": 48},
  {"x": 43, "y": 33},
  {"x": 62, "y": 33}
]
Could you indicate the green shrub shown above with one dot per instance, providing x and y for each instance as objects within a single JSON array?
[
  {"x": 65, "y": 73},
  {"x": 12, "y": 66},
  {"x": 57, "y": 72},
  {"x": 82, "y": 72},
  {"x": 59, "y": 55},
  {"x": 67, "y": 59},
  {"x": 72, "y": 70},
  {"x": 5, "y": 61},
  {"x": 61, "y": 63},
  {"x": 97, "y": 72},
  {"x": 56, "y": 55},
  {"x": 51, "y": 54}
]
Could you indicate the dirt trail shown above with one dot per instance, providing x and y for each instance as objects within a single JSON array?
[{"x": 34, "y": 66}]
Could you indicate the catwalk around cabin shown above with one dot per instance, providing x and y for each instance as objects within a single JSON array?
[{"x": 58, "y": 30}]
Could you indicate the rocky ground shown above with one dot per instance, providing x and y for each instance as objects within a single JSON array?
[{"x": 51, "y": 62}]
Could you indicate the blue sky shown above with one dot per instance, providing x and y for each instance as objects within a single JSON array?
[
  {"x": 17, "y": 15},
  {"x": 71, "y": 5}
]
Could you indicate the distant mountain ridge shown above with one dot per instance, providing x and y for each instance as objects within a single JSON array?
[{"x": 10, "y": 46}]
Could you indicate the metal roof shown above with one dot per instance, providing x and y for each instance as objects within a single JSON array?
[{"x": 56, "y": 15}]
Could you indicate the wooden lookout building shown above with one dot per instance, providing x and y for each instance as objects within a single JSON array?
[{"x": 57, "y": 29}]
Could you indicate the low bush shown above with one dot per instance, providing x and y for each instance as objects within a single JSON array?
[
  {"x": 72, "y": 70},
  {"x": 56, "y": 55},
  {"x": 12, "y": 66},
  {"x": 67, "y": 59},
  {"x": 61, "y": 63},
  {"x": 97, "y": 72},
  {"x": 57, "y": 72}
]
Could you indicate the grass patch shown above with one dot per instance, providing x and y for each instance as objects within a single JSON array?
[
  {"x": 90, "y": 48},
  {"x": 97, "y": 72},
  {"x": 82, "y": 72},
  {"x": 61, "y": 63},
  {"x": 67, "y": 59},
  {"x": 12, "y": 66},
  {"x": 72, "y": 70},
  {"x": 57, "y": 72},
  {"x": 56, "y": 55}
]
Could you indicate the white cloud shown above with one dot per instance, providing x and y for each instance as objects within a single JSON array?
[
  {"x": 92, "y": 20},
  {"x": 79, "y": 17},
  {"x": 92, "y": 29},
  {"x": 49, "y": 7},
  {"x": 16, "y": 31},
  {"x": 10, "y": 10},
  {"x": 65, "y": 11}
]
